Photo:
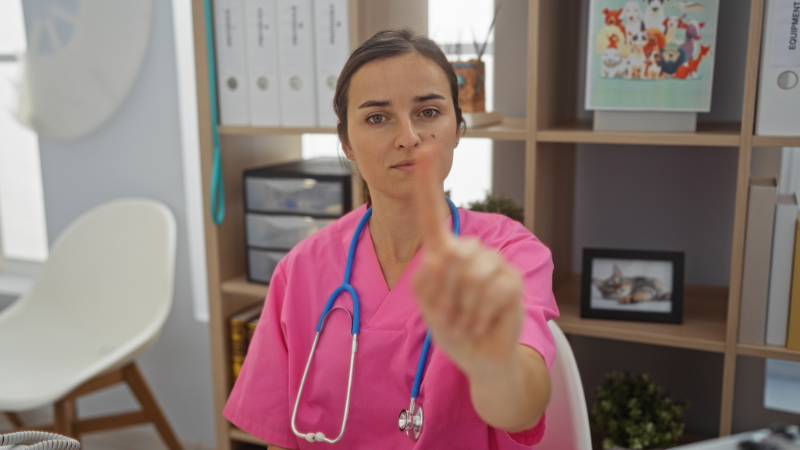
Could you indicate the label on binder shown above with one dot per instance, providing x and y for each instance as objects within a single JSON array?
[{"x": 783, "y": 34}]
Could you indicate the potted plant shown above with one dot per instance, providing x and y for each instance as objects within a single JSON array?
[
  {"x": 634, "y": 413},
  {"x": 500, "y": 204}
]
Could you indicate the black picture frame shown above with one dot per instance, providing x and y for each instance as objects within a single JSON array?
[{"x": 668, "y": 264}]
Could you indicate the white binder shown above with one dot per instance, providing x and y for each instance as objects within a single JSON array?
[
  {"x": 231, "y": 61},
  {"x": 262, "y": 62},
  {"x": 780, "y": 278},
  {"x": 332, "y": 39},
  {"x": 296, "y": 62},
  {"x": 778, "y": 84}
]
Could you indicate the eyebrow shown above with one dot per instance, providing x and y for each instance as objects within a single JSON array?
[{"x": 385, "y": 103}]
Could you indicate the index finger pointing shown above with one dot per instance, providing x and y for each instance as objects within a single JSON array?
[{"x": 429, "y": 198}]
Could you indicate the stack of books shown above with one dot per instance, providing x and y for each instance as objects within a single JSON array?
[
  {"x": 770, "y": 306},
  {"x": 278, "y": 61},
  {"x": 243, "y": 325}
]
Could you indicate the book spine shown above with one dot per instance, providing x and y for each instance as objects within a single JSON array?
[
  {"x": 793, "y": 339},
  {"x": 238, "y": 345},
  {"x": 251, "y": 330},
  {"x": 757, "y": 255}
]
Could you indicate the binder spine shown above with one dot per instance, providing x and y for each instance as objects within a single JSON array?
[
  {"x": 332, "y": 47},
  {"x": 296, "y": 61},
  {"x": 231, "y": 62},
  {"x": 262, "y": 62}
]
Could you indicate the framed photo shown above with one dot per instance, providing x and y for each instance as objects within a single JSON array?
[
  {"x": 632, "y": 285},
  {"x": 651, "y": 55}
]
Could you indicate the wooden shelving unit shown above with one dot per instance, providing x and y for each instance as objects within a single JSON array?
[
  {"x": 768, "y": 351},
  {"x": 708, "y": 134},
  {"x": 703, "y": 326},
  {"x": 550, "y": 132},
  {"x": 239, "y": 285},
  {"x": 776, "y": 141}
]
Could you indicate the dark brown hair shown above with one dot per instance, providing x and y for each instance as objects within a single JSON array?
[{"x": 385, "y": 44}]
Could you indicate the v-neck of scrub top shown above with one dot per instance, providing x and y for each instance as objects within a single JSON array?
[{"x": 382, "y": 308}]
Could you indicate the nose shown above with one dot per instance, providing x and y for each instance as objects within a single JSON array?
[{"x": 407, "y": 135}]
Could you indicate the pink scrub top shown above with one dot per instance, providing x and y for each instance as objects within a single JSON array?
[{"x": 389, "y": 346}]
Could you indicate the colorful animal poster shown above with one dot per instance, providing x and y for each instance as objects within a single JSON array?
[{"x": 655, "y": 55}]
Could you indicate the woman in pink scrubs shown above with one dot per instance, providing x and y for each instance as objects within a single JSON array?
[{"x": 486, "y": 296}]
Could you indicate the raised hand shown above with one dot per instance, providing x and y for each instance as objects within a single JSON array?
[{"x": 468, "y": 294}]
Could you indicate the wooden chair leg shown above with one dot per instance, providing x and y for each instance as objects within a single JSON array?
[
  {"x": 64, "y": 412},
  {"x": 14, "y": 419},
  {"x": 142, "y": 392}
]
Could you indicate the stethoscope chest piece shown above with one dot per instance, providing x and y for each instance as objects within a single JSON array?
[{"x": 410, "y": 421}]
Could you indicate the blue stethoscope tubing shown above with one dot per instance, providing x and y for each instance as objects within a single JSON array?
[
  {"x": 217, "y": 181},
  {"x": 355, "y": 319}
]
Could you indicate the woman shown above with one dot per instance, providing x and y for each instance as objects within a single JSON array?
[{"x": 485, "y": 296}]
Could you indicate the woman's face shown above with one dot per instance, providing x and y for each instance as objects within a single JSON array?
[{"x": 397, "y": 107}]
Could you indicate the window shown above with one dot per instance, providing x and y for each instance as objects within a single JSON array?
[
  {"x": 23, "y": 235},
  {"x": 451, "y": 26}
]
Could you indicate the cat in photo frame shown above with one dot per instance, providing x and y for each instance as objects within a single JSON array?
[{"x": 631, "y": 289}]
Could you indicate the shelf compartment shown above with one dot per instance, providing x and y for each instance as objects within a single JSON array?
[
  {"x": 240, "y": 286},
  {"x": 242, "y": 436},
  {"x": 768, "y": 351},
  {"x": 776, "y": 141},
  {"x": 703, "y": 328},
  {"x": 511, "y": 129},
  {"x": 723, "y": 134}
]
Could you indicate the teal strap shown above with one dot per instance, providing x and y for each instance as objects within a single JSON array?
[{"x": 217, "y": 181}]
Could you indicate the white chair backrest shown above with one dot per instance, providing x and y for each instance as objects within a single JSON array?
[
  {"x": 109, "y": 278},
  {"x": 567, "y": 416}
]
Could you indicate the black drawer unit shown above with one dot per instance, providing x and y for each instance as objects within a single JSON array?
[{"x": 286, "y": 202}]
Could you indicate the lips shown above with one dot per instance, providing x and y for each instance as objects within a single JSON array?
[{"x": 405, "y": 165}]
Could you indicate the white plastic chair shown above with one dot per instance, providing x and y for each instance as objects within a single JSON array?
[
  {"x": 98, "y": 302},
  {"x": 567, "y": 417}
]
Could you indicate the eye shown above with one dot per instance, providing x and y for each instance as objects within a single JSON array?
[
  {"x": 429, "y": 113},
  {"x": 376, "y": 118}
]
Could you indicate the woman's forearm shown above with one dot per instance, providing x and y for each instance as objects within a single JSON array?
[{"x": 513, "y": 396}]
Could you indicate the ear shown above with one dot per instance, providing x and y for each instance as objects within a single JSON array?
[
  {"x": 605, "y": 11},
  {"x": 348, "y": 152},
  {"x": 617, "y": 272}
]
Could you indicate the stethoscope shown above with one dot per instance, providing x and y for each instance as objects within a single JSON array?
[{"x": 410, "y": 420}]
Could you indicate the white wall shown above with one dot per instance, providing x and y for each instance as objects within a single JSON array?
[{"x": 138, "y": 153}]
